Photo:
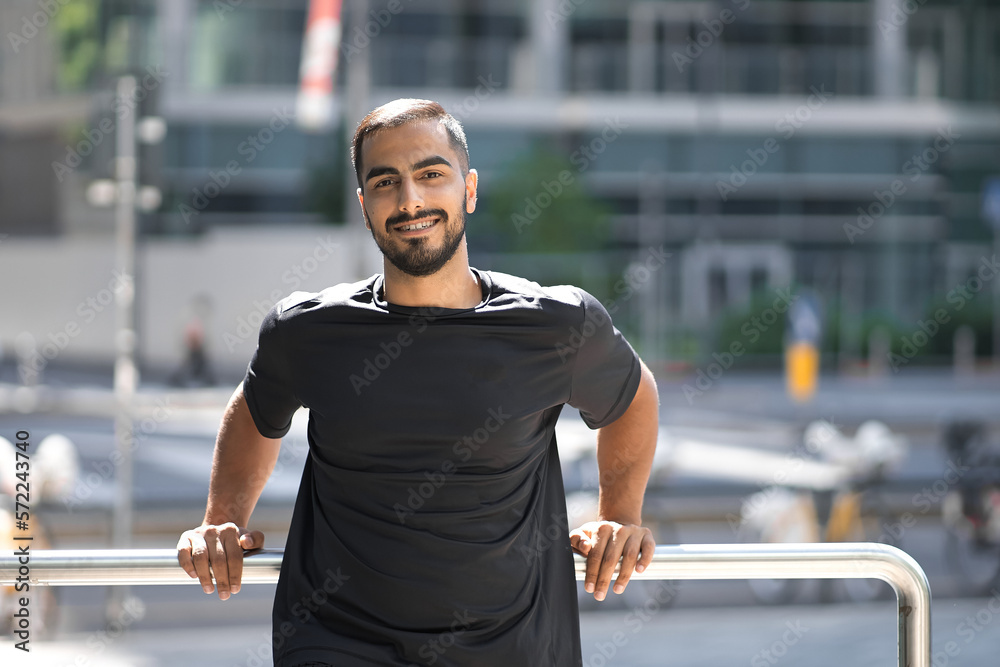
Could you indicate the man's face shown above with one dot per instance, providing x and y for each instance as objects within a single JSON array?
[{"x": 414, "y": 196}]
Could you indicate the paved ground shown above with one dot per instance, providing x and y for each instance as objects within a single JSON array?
[{"x": 964, "y": 632}]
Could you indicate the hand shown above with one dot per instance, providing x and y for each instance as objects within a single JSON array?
[
  {"x": 217, "y": 550},
  {"x": 604, "y": 543}
]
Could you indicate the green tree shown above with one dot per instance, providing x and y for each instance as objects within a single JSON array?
[
  {"x": 79, "y": 43},
  {"x": 540, "y": 205}
]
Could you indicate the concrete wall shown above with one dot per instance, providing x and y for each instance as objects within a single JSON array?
[{"x": 60, "y": 292}]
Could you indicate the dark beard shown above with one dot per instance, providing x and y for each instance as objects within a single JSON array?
[{"x": 416, "y": 259}]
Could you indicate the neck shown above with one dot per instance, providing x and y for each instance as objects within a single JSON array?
[{"x": 453, "y": 286}]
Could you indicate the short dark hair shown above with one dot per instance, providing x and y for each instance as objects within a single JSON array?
[{"x": 400, "y": 112}]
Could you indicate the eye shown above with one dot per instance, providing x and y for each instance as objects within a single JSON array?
[
  {"x": 383, "y": 182},
  {"x": 433, "y": 174}
]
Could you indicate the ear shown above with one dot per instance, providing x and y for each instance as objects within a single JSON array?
[
  {"x": 361, "y": 200},
  {"x": 471, "y": 182}
]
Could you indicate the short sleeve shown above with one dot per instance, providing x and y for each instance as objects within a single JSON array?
[
  {"x": 606, "y": 369},
  {"x": 267, "y": 386}
]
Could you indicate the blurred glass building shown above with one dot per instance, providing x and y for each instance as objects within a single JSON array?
[{"x": 843, "y": 146}]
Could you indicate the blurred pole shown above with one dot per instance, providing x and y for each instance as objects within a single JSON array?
[
  {"x": 642, "y": 25},
  {"x": 889, "y": 49},
  {"x": 996, "y": 301},
  {"x": 652, "y": 210},
  {"x": 991, "y": 213},
  {"x": 125, "y": 379},
  {"x": 964, "y": 345},
  {"x": 355, "y": 107},
  {"x": 549, "y": 46},
  {"x": 851, "y": 282},
  {"x": 879, "y": 346},
  {"x": 803, "y": 337},
  {"x": 892, "y": 266},
  {"x": 174, "y": 20}
]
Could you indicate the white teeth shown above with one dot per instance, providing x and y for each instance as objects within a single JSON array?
[{"x": 419, "y": 225}]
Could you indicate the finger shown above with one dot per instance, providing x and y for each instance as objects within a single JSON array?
[
  {"x": 630, "y": 554},
  {"x": 580, "y": 542},
  {"x": 199, "y": 558},
  {"x": 220, "y": 564},
  {"x": 251, "y": 539},
  {"x": 599, "y": 545},
  {"x": 609, "y": 560},
  {"x": 184, "y": 555},
  {"x": 234, "y": 559},
  {"x": 647, "y": 549}
]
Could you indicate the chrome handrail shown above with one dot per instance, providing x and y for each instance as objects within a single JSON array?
[{"x": 129, "y": 567}]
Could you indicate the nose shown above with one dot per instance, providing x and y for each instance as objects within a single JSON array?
[{"x": 410, "y": 198}]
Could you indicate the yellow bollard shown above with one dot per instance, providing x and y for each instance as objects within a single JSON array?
[{"x": 801, "y": 370}]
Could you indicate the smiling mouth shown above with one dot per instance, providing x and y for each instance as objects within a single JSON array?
[{"x": 416, "y": 226}]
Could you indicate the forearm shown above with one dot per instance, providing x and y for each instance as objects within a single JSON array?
[
  {"x": 625, "y": 451},
  {"x": 241, "y": 465}
]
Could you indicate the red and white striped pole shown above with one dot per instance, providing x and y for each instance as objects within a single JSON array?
[{"x": 314, "y": 106}]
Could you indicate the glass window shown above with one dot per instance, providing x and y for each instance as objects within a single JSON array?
[
  {"x": 625, "y": 153},
  {"x": 735, "y": 151},
  {"x": 228, "y": 49},
  {"x": 251, "y": 146},
  {"x": 494, "y": 149},
  {"x": 844, "y": 155}
]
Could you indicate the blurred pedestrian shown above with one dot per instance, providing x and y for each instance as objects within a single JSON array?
[{"x": 195, "y": 368}]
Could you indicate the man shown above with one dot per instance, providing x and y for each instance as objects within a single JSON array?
[{"x": 422, "y": 529}]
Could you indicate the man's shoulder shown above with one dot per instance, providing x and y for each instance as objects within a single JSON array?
[
  {"x": 299, "y": 305},
  {"x": 507, "y": 286}
]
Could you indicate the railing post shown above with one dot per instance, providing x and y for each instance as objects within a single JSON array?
[{"x": 810, "y": 561}]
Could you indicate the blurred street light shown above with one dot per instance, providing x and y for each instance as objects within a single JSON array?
[
  {"x": 151, "y": 130},
  {"x": 102, "y": 193},
  {"x": 126, "y": 195}
]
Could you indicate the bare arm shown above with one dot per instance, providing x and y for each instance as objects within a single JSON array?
[
  {"x": 241, "y": 465},
  {"x": 625, "y": 451}
]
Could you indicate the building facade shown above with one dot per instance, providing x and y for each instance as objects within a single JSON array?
[{"x": 840, "y": 146}]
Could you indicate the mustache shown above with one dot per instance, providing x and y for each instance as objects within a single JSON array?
[{"x": 406, "y": 217}]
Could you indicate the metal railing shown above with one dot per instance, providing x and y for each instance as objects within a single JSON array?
[{"x": 681, "y": 562}]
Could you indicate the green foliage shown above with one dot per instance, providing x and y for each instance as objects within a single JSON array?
[
  {"x": 76, "y": 27},
  {"x": 539, "y": 205},
  {"x": 977, "y": 314},
  {"x": 748, "y": 327},
  {"x": 929, "y": 339},
  {"x": 936, "y": 338},
  {"x": 325, "y": 192}
]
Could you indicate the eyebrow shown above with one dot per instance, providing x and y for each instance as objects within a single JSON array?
[{"x": 426, "y": 162}]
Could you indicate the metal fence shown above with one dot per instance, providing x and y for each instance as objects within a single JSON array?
[{"x": 681, "y": 562}]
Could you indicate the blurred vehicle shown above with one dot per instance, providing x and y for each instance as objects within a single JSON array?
[
  {"x": 849, "y": 508},
  {"x": 971, "y": 510}
]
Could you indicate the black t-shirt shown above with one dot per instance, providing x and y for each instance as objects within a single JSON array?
[{"x": 430, "y": 526}]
